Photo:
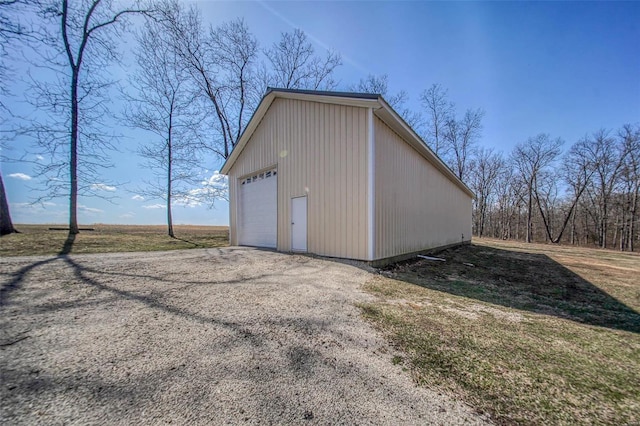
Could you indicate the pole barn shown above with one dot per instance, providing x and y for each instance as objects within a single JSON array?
[{"x": 341, "y": 175}]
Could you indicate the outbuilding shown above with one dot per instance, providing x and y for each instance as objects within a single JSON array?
[{"x": 341, "y": 175}]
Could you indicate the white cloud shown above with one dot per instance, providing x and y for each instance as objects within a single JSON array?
[
  {"x": 89, "y": 209},
  {"x": 39, "y": 158},
  {"x": 103, "y": 187},
  {"x": 127, "y": 215},
  {"x": 138, "y": 197},
  {"x": 154, "y": 206},
  {"x": 215, "y": 187},
  {"x": 20, "y": 176},
  {"x": 22, "y": 206},
  {"x": 45, "y": 212}
]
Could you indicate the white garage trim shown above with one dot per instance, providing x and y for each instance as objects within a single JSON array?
[{"x": 258, "y": 209}]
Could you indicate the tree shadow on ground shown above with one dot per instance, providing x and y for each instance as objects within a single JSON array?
[
  {"x": 526, "y": 281},
  {"x": 17, "y": 279},
  {"x": 187, "y": 241},
  {"x": 68, "y": 245},
  {"x": 93, "y": 278}
]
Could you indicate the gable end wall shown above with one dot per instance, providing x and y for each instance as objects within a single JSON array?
[{"x": 320, "y": 151}]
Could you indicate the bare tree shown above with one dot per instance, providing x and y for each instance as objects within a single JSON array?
[
  {"x": 77, "y": 43},
  {"x": 222, "y": 63},
  {"x": 484, "y": 178},
  {"x": 295, "y": 64},
  {"x": 439, "y": 112},
  {"x": 379, "y": 85},
  {"x": 461, "y": 137},
  {"x": 531, "y": 159},
  {"x": 376, "y": 84},
  {"x": 11, "y": 30},
  {"x": 577, "y": 171},
  {"x": 164, "y": 104},
  {"x": 608, "y": 158},
  {"x": 629, "y": 137}
]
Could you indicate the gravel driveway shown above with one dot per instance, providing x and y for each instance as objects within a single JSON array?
[{"x": 211, "y": 336}]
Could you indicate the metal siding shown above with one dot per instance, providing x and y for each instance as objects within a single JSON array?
[
  {"x": 326, "y": 153},
  {"x": 416, "y": 206}
]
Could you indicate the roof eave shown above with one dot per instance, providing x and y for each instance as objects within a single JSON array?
[{"x": 397, "y": 123}]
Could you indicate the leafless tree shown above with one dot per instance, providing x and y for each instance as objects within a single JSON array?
[
  {"x": 222, "y": 63},
  {"x": 295, "y": 65},
  {"x": 461, "y": 138},
  {"x": 608, "y": 158},
  {"x": 376, "y": 84},
  {"x": 576, "y": 172},
  {"x": 379, "y": 85},
  {"x": 439, "y": 112},
  {"x": 630, "y": 136},
  {"x": 164, "y": 104},
  {"x": 531, "y": 159},
  {"x": 77, "y": 44},
  {"x": 11, "y": 30},
  {"x": 484, "y": 178}
]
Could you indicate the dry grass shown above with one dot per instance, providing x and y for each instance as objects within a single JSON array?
[
  {"x": 39, "y": 240},
  {"x": 532, "y": 333}
]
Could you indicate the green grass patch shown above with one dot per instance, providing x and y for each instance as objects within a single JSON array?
[
  {"x": 548, "y": 336},
  {"x": 39, "y": 240}
]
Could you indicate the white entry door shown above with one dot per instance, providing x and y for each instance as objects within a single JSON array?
[
  {"x": 299, "y": 224},
  {"x": 258, "y": 210}
]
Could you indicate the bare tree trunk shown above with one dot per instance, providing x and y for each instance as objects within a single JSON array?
[
  {"x": 573, "y": 227},
  {"x": 169, "y": 178},
  {"x": 634, "y": 208},
  {"x": 616, "y": 228},
  {"x": 603, "y": 227},
  {"x": 73, "y": 160},
  {"x": 6, "y": 226},
  {"x": 529, "y": 213}
]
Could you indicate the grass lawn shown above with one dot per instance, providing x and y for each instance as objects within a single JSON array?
[
  {"x": 531, "y": 333},
  {"x": 38, "y": 239}
]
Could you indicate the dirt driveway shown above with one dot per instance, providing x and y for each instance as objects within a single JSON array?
[{"x": 212, "y": 336}]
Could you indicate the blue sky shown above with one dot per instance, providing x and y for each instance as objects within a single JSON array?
[{"x": 564, "y": 68}]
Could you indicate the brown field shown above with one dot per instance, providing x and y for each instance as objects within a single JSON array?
[
  {"x": 39, "y": 240},
  {"x": 529, "y": 333}
]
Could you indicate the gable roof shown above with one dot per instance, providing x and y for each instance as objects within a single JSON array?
[{"x": 380, "y": 107}]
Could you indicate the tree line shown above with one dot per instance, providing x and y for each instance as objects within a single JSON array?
[
  {"x": 586, "y": 195},
  {"x": 195, "y": 86}
]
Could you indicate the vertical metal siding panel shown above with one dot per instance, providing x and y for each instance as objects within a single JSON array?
[
  {"x": 331, "y": 187},
  {"x": 336, "y": 187},
  {"x": 352, "y": 196},
  {"x": 417, "y": 206},
  {"x": 290, "y": 127},
  {"x": 312, "y": 220},
  {"x": 355, "y": 189},
  {"x": 321, "y": 237},
  {"x": 339, "y": 187},
  {"x": 232, "y": 212}
]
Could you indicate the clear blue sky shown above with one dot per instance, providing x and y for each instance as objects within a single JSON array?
[{"x": 564, "y": 68}]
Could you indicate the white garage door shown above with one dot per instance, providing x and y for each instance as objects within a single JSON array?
[{"x": 257, "y": 216}]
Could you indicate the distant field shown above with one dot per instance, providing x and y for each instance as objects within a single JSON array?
[
  {"x": 39, "y": 240},
  {"x": 529, "y": 333}
]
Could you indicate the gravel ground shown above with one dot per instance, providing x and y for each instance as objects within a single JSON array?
[{"x": 212, "y": 336}]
